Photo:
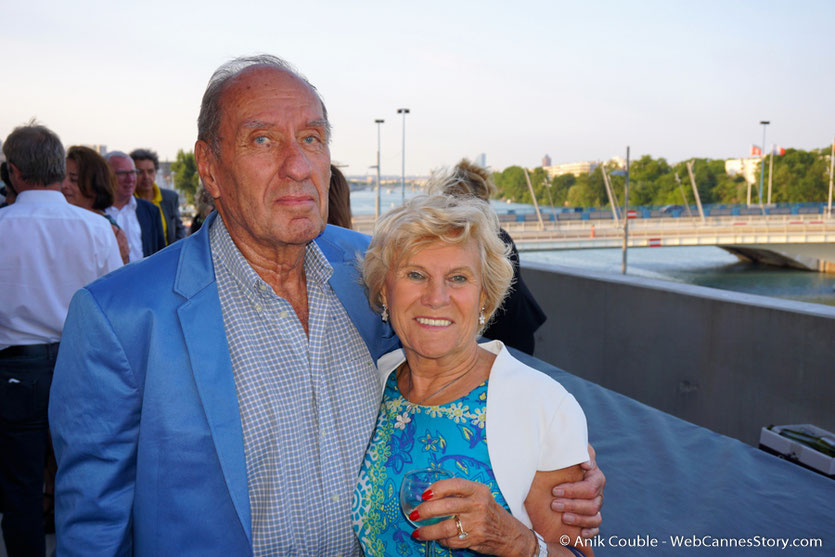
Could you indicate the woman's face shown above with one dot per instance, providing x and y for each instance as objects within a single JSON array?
[
  {"x": 434, "y": 300},
  {"x": 69, "y": 187}
]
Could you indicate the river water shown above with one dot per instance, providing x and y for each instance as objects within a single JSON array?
[{"x": 700, "y": 265}]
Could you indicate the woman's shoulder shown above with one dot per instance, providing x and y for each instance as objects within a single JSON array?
[{"x": 515, "y": 376}]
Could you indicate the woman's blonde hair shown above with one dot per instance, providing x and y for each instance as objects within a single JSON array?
[{"x": 426, "y": 220}]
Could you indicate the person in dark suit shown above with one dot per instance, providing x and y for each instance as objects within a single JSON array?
[
  {"x": 167, "y": 201},
  {"x": 516, "y": 321},
  {"x": 141, "y": 220}
]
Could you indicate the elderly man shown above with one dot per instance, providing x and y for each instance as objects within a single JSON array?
[
  {"x": 217, "y": 399},
  {"x": 50, "y": 250},
  {"x": 167, "y": 201},
  {"x": 140, "y": 219}
]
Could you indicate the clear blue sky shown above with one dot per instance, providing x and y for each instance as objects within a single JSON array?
[{"x": 514, "y": 80}]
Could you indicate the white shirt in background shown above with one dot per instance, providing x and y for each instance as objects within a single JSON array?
[
  {"x": 48, "y": 250},
  {"x": 126, "y": 219}
]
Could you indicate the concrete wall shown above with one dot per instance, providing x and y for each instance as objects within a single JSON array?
[{"x": 727, "y": 361}]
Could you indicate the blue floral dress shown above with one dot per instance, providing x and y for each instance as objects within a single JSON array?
[{"x": 408, "y": 437}]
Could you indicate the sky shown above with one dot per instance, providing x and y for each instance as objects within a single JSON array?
[{"x": 513, "y": 80}]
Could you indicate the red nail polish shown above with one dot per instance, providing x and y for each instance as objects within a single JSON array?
[
  {"x": 415, "y": 534},
  {"x": 427, "y": 495},
  {"x": 414, "y": 515}
]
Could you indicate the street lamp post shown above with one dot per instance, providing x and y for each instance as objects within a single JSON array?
[
  {"x": 404, "y": 112},
  {"x": 764, "y": 123},
  {"x": 377, "y": 204}
]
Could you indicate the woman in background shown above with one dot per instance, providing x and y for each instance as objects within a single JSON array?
[
  {"x": 90, "y": 184},
  {"x": 516, "y": 321},
  {"x": 339, "y": 199}
]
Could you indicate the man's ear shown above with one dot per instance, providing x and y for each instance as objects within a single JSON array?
[
  {"x": 14, "y": 175},
  {"x": 207, "y": 167}
]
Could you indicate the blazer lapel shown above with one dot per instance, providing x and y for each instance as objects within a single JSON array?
[
  {"x": 201, "y": 319},
  {"x": 378, "y": 336}
]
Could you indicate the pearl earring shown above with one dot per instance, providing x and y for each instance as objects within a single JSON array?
[
  {"x": 481, "y": 319},
  {"x": 385, "y": 314}
]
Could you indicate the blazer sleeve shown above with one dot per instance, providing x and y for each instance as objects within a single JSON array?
[{"x": 94, "y": 412}]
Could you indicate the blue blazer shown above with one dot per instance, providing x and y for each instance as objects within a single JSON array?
[
  {"x": 144, "y": 412},
  {"x": 150, "y": 222}
]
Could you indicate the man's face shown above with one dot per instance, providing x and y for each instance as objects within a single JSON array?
[
  {"x": 146, "y": 174},
  {"x": 125, "y": 173},
  {"x": 271, "y": 179}
]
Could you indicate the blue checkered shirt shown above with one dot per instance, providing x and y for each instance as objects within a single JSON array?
[{"x": 308, "y": 404}]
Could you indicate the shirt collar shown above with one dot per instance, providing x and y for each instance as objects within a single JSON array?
[
  {"x": 316, "y": 266},
  {"x": 41, "y": 196},
  {"x": 130, "y": 205},
  {"x": 157, "y": 195}
]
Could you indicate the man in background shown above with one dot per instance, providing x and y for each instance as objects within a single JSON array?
[
  {"x": 167, "y": 201},
  {"x": 140, "y": 219},
  {"x": 50, "y": 250}
]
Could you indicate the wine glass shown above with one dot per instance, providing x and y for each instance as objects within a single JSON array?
[{"x": 415, "y": 482}]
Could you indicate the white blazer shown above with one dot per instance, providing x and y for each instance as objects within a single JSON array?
[{"x": 533, "y": 424}]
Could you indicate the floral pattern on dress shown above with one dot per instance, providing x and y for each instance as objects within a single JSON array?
[{"x": 407, "y": 436}]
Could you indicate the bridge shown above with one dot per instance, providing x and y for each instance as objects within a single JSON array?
[
  {"x": 804, "y": 241},
  {"x": 788, "y": 236}
]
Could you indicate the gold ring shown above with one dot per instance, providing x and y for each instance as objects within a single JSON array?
[{"x": 462, "y": 535}]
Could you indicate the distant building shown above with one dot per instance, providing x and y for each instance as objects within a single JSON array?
[
  {"x": 100, "y": 149},
  {"x": 746, "y": 167},
  {"x": 165, "y": 178},
  {"x": 481, "y": 160},
  {"x": 575, "y": 168},
  {"x": 546, "y": 161}
]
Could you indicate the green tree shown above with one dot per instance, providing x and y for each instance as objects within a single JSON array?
[
  {"x": 730, "y": 189},
  {"x": 645, "y": 175},
  {"x": 512, "y": 185},
  {"x": 588, "y": 191},
  {"x": 186, "y": 179},
  {"x": 560, "y": 186},
  {"x": 540, "y": 182},
  {"x": 799, "y": 176}
]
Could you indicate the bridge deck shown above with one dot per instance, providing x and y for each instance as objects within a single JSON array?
[{"x": 807, "y": 236}]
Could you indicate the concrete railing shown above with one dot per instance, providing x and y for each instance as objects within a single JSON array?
[{"x": 727, "y": 361}]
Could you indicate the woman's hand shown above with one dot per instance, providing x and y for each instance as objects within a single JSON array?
[
  {"x": 122, "y": 242},
  {"x": 490, "y": 528}
]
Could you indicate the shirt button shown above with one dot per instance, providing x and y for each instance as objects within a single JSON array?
[
  {"x": 283, "y": 314},
  {"x": 258, "y": 308},
  {"x": 334, "y": 498}
]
